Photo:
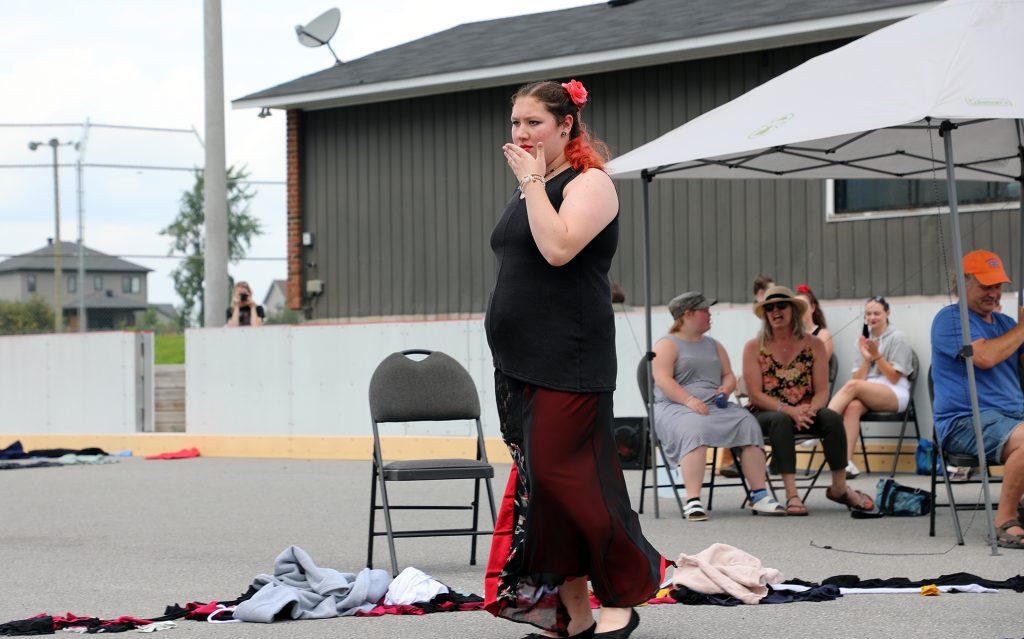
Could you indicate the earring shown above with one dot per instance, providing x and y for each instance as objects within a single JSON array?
[{"x": 565, "y": 133}]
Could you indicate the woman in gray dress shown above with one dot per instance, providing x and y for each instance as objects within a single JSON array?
[{"x": 693, "y": 379}]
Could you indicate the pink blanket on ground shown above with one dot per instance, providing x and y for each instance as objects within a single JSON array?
[{"x": 721, "y": 568}]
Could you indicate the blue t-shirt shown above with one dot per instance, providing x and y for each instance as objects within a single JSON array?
[{"x": 998, "y": 387}]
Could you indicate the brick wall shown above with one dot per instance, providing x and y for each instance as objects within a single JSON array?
[{"x": 294, "y": 211}]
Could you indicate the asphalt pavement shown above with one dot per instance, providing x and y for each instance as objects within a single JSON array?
[{"x": 132, "y": 537}]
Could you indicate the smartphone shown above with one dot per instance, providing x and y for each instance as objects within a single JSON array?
[{"x": 865, "y": 332}]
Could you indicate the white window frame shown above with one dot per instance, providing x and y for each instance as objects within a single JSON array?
[{"x": 832, "y": 216}]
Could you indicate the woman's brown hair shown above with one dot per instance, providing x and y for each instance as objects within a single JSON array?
[{"x": 583, "y": 150}]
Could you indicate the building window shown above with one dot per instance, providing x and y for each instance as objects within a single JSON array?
[
  {"x": 131, "y": 284},
  {"x": 31, "y": 283},
  {"x": 856, "y": 199},
  {"x": 97, "y": 283},
  {"x": 72, "y": 283}
]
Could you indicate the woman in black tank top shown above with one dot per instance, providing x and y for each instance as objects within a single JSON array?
[{"x": 566, "y": 516}]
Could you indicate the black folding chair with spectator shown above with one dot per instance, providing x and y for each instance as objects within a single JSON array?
[
  {"x": 942, "y": 461},
  {"x": 650, "y": 438},
  {"x": 903, "y": 417}
]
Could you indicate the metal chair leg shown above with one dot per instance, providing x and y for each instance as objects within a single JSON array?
[
  {"x": 476, "y": 513},
  {"x": 490, "y": 500},
  {"x": 864, "y": 450},
  {"x": 643, "y": 466},
  {"x": 373, "y": 512},
  {"x": 899, "y": 443},
  {"x": 387, "y": 522},
  {"x": 711, "y": 483},
  {"x": 671, "y": 480}
]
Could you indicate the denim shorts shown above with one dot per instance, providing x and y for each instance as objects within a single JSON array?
[{"x": 996, "y": 428}]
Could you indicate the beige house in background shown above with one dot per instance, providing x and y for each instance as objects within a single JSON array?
[
  {"x": 276, "y": 297},
  {"x": 114, "y": 289}
]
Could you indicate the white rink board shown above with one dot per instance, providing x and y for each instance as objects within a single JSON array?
[
  {"x": 313, "y": 379},
  {"x": 76, "y": 383}
]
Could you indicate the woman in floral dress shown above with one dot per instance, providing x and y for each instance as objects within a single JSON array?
[{"x": 787, "y": 381}]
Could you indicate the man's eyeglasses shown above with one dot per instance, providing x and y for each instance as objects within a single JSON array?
[{"x": 771, "y": 306}]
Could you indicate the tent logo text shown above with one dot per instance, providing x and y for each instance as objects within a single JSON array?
[
  {"x": 770, "y": 126},
  {"x": 988, "y": 102}
]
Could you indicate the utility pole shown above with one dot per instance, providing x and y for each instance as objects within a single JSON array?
[
  {"x": 58, "y": 273},
  {"x": 82, "y": 319},
  {"x": 215, "y": 198}
]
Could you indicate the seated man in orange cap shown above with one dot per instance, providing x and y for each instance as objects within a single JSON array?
[{"x": 998, "y": 343}]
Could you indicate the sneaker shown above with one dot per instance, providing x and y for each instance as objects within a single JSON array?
[
  {"x": 810, "y": 443},
  {"x": 852, "y": 472},
  {"x": 694, "y": 510},
  {"x": 959, "y": 474},
  {"x": 767, "y": 506}
]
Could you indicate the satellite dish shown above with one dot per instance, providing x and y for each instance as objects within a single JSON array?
[{"x": 320, "y": 30}]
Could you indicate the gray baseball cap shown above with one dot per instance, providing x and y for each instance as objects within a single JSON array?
[{"x": 689, "y": 301}]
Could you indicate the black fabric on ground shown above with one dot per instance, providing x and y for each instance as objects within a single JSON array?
[
  {"x": 14, "y": 451},
  {"x": 448, "y": 601},
  {"x": 60, "y": 452},
  {"x": 817, "y": 593},
  {"x": 954, "y": 579},
  {"x": 174, "y": 611},
  {"x": 27, "y": 627},
  {"x": 17, "y": 465}
]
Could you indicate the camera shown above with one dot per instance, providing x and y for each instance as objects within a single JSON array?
[{"x": 243, "y": 297}]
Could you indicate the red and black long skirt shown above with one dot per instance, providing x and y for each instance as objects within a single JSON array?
[{"x": 565, "y": 513}]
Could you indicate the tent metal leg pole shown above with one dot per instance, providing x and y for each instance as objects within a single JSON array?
[
  {"x": 965, "y": 326},
  {"x": 647, "y": 177},
  {"x": 1019, "y": 125}
]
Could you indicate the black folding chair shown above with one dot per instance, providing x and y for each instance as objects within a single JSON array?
[
  {"x": 946, "y": 460},
  {"x": 647, "y": 461},
  {"x": 904, "y": 416},
  {"x": 436, "y": 388}
]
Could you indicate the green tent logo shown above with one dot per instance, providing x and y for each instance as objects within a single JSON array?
[
  {"x": 771, "y": 125},
  {"x": 988, "y": 102}
]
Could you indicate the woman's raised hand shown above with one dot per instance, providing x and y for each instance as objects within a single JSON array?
[
  {"x": 872, "y": 349},
  {"x": 522, "y": 163}
]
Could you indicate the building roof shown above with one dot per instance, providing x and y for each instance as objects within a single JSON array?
[
  {"x": 42, "y": 260},
  {"x": 166, "y": 311},
  {"x": 107, "y": 300},
  {"x": 588, "y": 39},
  {"x": 281, "y": 286}
]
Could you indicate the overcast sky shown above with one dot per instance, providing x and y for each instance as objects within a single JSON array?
[{"x": 125, "y": 62}]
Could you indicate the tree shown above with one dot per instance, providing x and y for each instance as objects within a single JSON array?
[
  {"x": 20, "y": 318},
  {"x": 187, "y": 238}
]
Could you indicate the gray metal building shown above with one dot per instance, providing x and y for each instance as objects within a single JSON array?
[{"x": 396, "y": 176}]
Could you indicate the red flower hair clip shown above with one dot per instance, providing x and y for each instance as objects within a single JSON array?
[{"x": 577, "y": 92}]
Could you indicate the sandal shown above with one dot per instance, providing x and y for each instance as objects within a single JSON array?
[
  {"x": 864, "y": 502},
  {"x": 1006, "y": 539},
  {"x": 767, "y": 506},
  {"x": 694, "y": 510},
  {"x": 795, "y": 510}
]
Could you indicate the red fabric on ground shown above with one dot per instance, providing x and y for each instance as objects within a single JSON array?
[
  {"x": 397, "y": 609},
  {"x": 184, "y": 453},
  {"x": 501, "y": 543}
]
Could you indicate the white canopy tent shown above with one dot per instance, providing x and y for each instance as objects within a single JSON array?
[{"x": 888, "y": 105}]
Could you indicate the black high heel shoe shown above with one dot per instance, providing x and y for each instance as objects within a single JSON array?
[
  {"x": 623, "y": 632},
  {"x": 586, "y": 634}
]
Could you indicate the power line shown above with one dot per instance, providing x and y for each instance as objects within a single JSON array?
[
  {"x": 257, "y": 258},
  {"x": 134, "y": 167}
]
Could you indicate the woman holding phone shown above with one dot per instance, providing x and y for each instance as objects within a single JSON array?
[{"x": 880, "y": 381}]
